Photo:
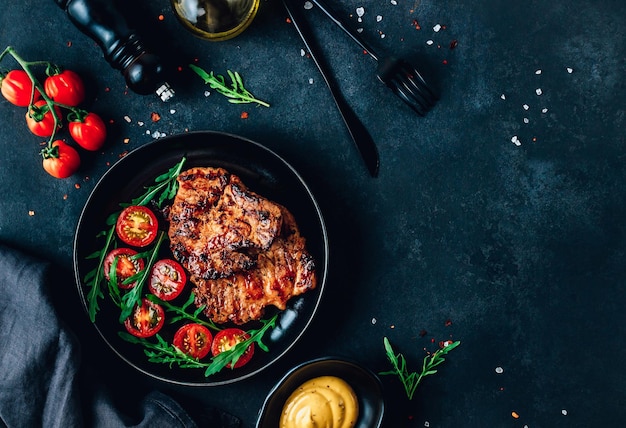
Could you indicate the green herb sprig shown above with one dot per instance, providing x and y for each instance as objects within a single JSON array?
[
  {"x": 181, "y": 311},
  {"x": 166, "y": 353},
  {"x": 235, "y": 92},
  {"x": 410, "y": 380},
  {"x": 165, "y": 188},
  {"x": 133, "y": 296}
]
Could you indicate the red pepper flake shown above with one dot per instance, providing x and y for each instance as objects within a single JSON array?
[
  {"x": 365, "y": 52},
  {"x": 445, "y": 62},
  {"x": 432, "y": 340},
  {"x": 124, "y": 153},
  {"x": 161, "y": 18},
  {"x": 77, "y": 185},
  {"x": 454, "y": 43},
  {"x": 31, "y": 213},
  {"x": 515, "y": 415},
  {"x": 288, "y": 20},
  {"x": 244, "y": 114},
  {"x": 107, "y": 89},
  {"x": 179, "y": 68},
  {"x": 448, "y": 322},
  {"x": 155, "y": 117},
  {"x": 111, "y": 121},
  {"x": 445, "y": 343},
  {"x": 65, "y": 197},
  {"x": 416, "y": 25},
  {"x": 69, "y": 44}
]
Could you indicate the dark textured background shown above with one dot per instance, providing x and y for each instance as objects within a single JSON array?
[{"x": 516, "y": 251}]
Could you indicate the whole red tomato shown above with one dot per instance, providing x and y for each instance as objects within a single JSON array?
[
  {"x": 17, "y": 88},
  {"x": 65, "y": 88},
  {"x": 61, "y": 160},
  {"x": 40, "y": 120},
  {"x": 89, "y": 131}
]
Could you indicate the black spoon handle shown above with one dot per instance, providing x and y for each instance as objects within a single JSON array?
[{"x": 361, "y": 137}]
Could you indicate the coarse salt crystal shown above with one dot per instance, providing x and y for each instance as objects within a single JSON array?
[
  {"x": 394, "y": 2},
  {"x": 140, "y": 123},
  {"x": 382, "y": 35},
  {"x": 526, "y": 120},
  {"x": 569, "y": 70},
  {"x": 538, "y": 91},
  {"x": 207, "y": 93},
  {"x": 516, "y": 140},
  {"x": 302, "y": 52},
  {"x": 538, "y": 71},
  {"x": 525, "y": 106},
  {"x": 499, "y": 370},
  {"x": 426, "y": 424},
  {"x": 172, "y": 111},
  {"x": 429, "y": 42},
  {"x": 503, "y": 96},
  {"x": 360, "y": 11},
  {"x": 308, "y": 5},
  {"x": 544, "y": 110},
  {"x": 127, "y": 119},
  {"x": 310, "y": 80},
  {"x": 379, "y": 18},
  {"x": 564, "y": 412},
  {"x": 373, "y": 320},
  {"x": 436, "y": 28},
  {"x": 359, "y": 30}
]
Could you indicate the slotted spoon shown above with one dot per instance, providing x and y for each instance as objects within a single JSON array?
[{"x": 398, "y": 74}]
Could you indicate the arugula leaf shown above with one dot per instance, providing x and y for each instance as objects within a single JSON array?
[
  {"x": 133, "y": 296},
  {"x": 166, "y": 353},
  {"x": 165, "y": 183},
  {"x": 235, "y": 92},
  {"x": 182, "y": 311},
  {"x": 410, "y": 380}
]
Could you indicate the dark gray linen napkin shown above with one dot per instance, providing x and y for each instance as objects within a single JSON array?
[{"x": 41, "y": 379}]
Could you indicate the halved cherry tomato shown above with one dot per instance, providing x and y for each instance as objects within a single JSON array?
[
  {"x": 194, "y": 340},
  {"x": 61, "y": 160},
  {"x": 145, "y": 320},
  {"x": 65, "y": 88},
  {"x": 17, "y": 88},
  {"x": 167, "y": 279},
  {"x": 126, "y": 266},
  {"x": 88, "y": 131},
  {"x": 137, "y": 226},
  {"x": 227, "y": 339},
  {"x": 40, "y": 119}
]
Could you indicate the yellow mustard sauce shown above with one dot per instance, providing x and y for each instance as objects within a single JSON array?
[{"x": 322, "y": 402}]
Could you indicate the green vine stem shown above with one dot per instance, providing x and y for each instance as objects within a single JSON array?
[{"x": 50, "y": 68}]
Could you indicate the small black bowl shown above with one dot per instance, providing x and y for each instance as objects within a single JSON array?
[{"x": 365, "y": 384}]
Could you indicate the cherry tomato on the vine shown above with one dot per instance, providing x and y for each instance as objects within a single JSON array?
[
  {"x": 137, "y": 226},
  {"x": 194, "y": 340},
  {"x": 17, "y": 88},
  {"x": 88, "y": 131},
  {"x": 61, "y": 160},
  {"x": 127, "y": 265},
  {"x": 145, "y": 320},
  {"x": 65, "y": 88},
  {"x": 226, "y": 339},
  {"x": 40, "y": 119},
  {"x": 167, "y": 279}
]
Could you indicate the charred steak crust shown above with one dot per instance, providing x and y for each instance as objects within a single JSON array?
[
  {"x": 285, "y": 270},
  {"x": 217, "y": 225},
  {"x": 244, "y": 252}
]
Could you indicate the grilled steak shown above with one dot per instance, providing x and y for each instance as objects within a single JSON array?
[
  {"x": 285, "y": 270},
  {"x": 217, "y": 225},
  {"x": 244, "y": 252}
]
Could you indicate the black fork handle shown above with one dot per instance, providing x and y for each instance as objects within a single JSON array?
[
  {"x": 361, "y": 137},
  {"x": 334, "y": 16}
]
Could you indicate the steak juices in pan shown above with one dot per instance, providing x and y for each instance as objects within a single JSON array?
[{"x": 240, "y": 252}]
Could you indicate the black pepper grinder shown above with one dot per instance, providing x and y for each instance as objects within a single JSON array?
[{"x": 122, "y": 48}]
